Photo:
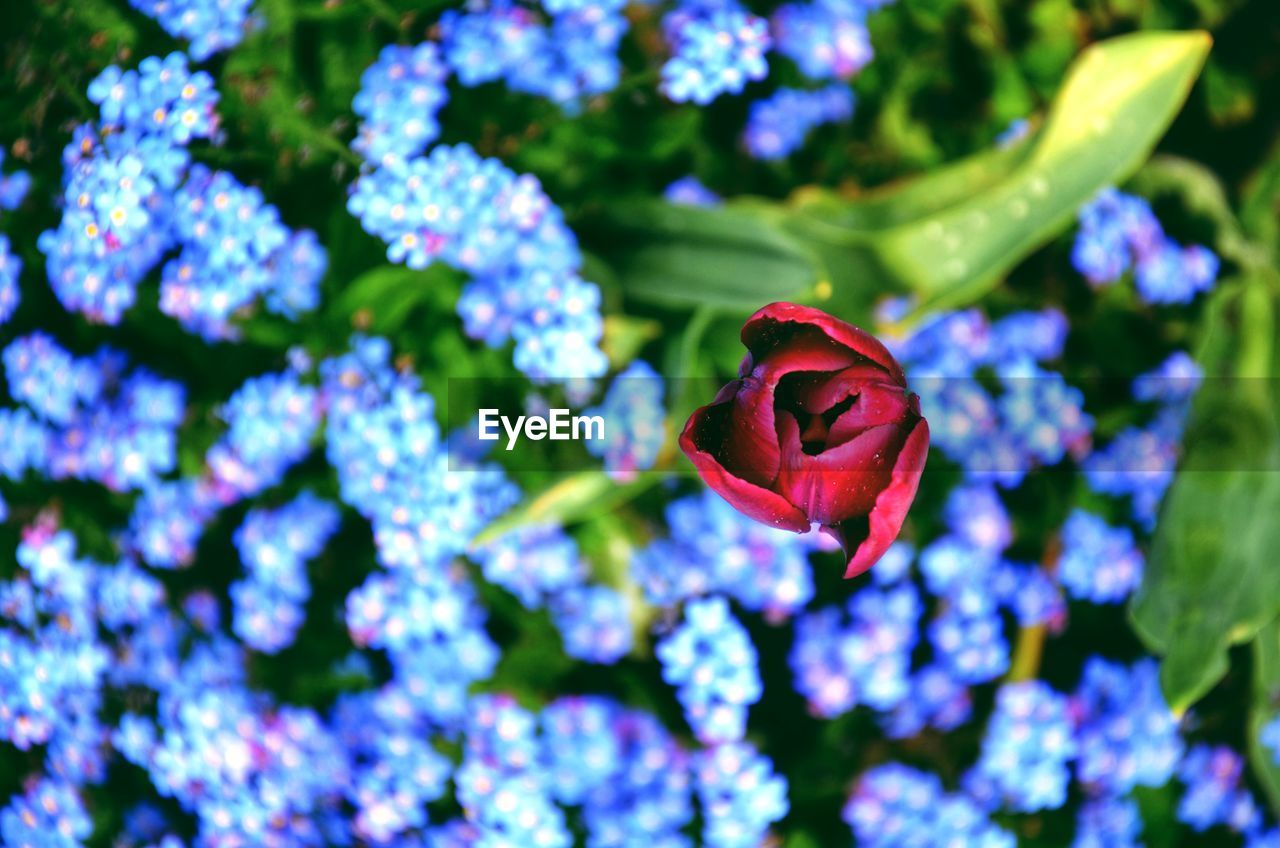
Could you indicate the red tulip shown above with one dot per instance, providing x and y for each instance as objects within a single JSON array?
[{"x": 818, "y": 428}]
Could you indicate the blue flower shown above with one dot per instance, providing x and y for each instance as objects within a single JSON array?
[
  {"x": 275, "y": 547},
  {"x": 778, "y": 125},
  {"x": 711, "y": 661},
  {"x": 13, "y": 187},
  {"x": 716, "y": 549},
  {"x": 1027, "y": 749},
  {"x": 936, "y": 699},
  {"x": 741, "y": 795},
  {"x": 633, "y": 417},
  {"x": 893, "y": 805},
  {"x": 1214, "y": 795},
  {"x": 10, "y": 271},
  {"x": 1098, "y": 563},
  {"x": 399, "y": 97},
  {"x": 648, "y": 801},
  {"x": 533, "y": 562},
  {"x": 688, "y": 191},
  {"x": 582, "y": 746},
  {"x": 861, "y": 655},
  {"x": 594, "y": 623},
  {"x": 717, "y": 48},
  {"x": 1119, "y": 231},
  {"x": 475, "y": 214},
  {"x": 48, "y": 814},
  {"x": 827, "y": 40},
  {"x": 1128, "y": 735},
  {"x": 1108, "y": 823},
  {"x": 210, "y": 25}
]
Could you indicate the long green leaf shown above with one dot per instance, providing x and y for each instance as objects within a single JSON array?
[
  {"x": 1211, "y": 581},
  {"x": 1118, "y": 99},
  {"x": 733, "y": 257}
]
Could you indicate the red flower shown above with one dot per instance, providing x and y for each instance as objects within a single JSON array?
[{"x": 818, "y": 428}]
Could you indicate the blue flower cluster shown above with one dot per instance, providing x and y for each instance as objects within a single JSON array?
[
  {"x": 399, "y": 97},
  {"x": 93, "y": 418},
  {"x": 210, "y": 26},
  {"x": 711, "y": 661},
  {"x": 1139, "y": 462},
  {"x": 635, "y": 417},
  {"x": 573, "y": 57},
  {"x": 859, "y": 655},
  {"x": 1119, "y": 231},
  {"x": 717, "y": 47},
  {"x": 827, "y": 39},
  {"x": 1036, "y": 420},
  {"x": 275, "y": 546},
  {"x": 740, "y": 794},
  {"x": 1215, "y": 794},
  {"x": 1108, "y": 823},
  {"x": 131, "y": 197},
  {"x": 541, "y": 566},
  {"x": 893, "y": 805},
  {"x": 778, "y": 125},
  {"x": 475, "y": 214},
  {"x": 716, "y": 549},
  {"x": 1127, "y": 734},
  {"x": 1027, "y": 751},
  {"x": 47, "y": 813},
  {"x": 1099, "y": 563}
]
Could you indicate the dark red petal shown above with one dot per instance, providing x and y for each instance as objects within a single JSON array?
[
  {"x": 873, "y": 535},
  {"x": 877, "y": 404},
  {"x": 750, "y": 446},
  {"x": 840, "y": 483},
  {"x": 806, "y": 349},
  {"x": 816, "y": 393},
  {"x": 773, "y": 325},
  {"x": 751, "y": 500}
]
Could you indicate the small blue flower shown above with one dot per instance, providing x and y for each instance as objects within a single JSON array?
[
  {"x": 1098, "y": 563},
  {"x": 741, "y": 795},
  {"x": 715, "y": 50},
  {"x": 827, "y": 40},
  {"x": 1128, "y": 735},
  {"x": 893, "y": 805},
  {"x": 711, "y": 661},
  {"x": 688, "y": 191},
  {"x": 778, "y": 125},
  {"x": 1027, "y": 748},
  {"x": 594, "y": 623},
  {"x": 634, "y": 425}
]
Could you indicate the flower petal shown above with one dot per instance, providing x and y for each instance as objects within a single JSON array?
[
  {"x": 750, "y": 446},
  {"x": 767, "y": 328},
  {"x": 876, "y": 404},
  {"x": 873, "y": 535},
  {"x": 840, "y": 483},
  {"x": 753, "y": 501}
]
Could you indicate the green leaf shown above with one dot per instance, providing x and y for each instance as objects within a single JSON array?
[
  {"x": 576, "y": 498},
  {"x": 386, "y": 295},
  {"x": 1266, "y": 707},
  {"x": 1210, "y": 581},
  {"x": 736, "y": 257},
  {"x": 1117, "y": 100}
]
